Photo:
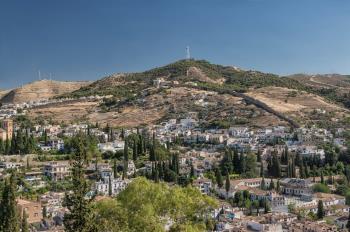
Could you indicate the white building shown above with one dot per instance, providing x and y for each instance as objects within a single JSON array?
[{"x": 118, "y": 185}]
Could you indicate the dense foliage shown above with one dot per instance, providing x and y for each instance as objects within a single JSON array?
[{"x": 148, "y": 206}]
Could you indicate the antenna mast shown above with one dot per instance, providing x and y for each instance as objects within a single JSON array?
[
  {"x": 188, "y": 54},
  {"x": 39, "y": 75}
]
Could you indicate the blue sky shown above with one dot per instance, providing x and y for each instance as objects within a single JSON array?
[{"x": 86, "y": 40}]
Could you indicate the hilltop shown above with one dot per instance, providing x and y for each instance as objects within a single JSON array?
[
  {"x": 221, "y": 95},
  {"x": 42, "y": 89},
  {"x": 184, "y": 71}
]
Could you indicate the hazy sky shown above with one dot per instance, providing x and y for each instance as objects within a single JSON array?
[{"x": 86, "y": 40}]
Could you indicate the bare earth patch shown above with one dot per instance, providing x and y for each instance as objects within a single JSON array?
[
  {"x": 295, "y": 103},
  {"x": 129, "y": 117},
  {"x": 67, "y": 112}
]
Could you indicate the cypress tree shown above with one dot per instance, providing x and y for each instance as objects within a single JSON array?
[
  {"x": 307, "y": 171},
  {"x": 267, "y": 208},
  {"x": 301, "y": 169},
  {"x": 320, "y": 210},
  {"x": 13, "y": 145},
  {"x": 79, "y": 216},
  {"x": 24, "y": 224},
  {"x": 28, "y": 163},
  {"x": 156, "y": 173},
  {"x": 125, "y": 169},
  {"x": 110, "y": 192},
  {"x": 261, "y": 169},
  {"x": 258, "y": 156},
  {"x": 140, "y": 145},
  {"x": 122, "y": 134},
  {"x": 44, "y": 212},
  {"x": 9, "y": 219},
  {"x": 313, "y": 173},
  {"x": 134, "y": 151},
  {"x": 2, "y": 147},
  {"x": 115, "y": 171},
  {"x": 160, "y": 171},
  {"x": 242, "y": 164},
  {"x": 236, "y": 161},
  {"x": 152, "y": 156},
  {"x": 126, "y": 150},
  {"x": 7, "y": 146},
  {"x": 278, "y": 187},
  {"x": 293, "y": 168},
  {"x": 272, "y": 185},
  {"x": 219, "y": 180},
  {"x": 227, "y": 184},
  {"x": 45, "y": 137},
  {"x": 192, "y": 171},
  {"x": 322, "y": 178},
  {"x": 262, "y": 184}
]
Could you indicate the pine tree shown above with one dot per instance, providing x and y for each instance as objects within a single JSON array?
[
  {"x": 9, "y": 219},
  {"x": 24, "y": 224},
  {"x": 320, "y": 210},
  {"x": 79, "y": 216}
]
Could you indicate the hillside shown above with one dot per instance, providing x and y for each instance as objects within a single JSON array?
[
  {"x": 333, "y": 87},
  {"x": 3, "y": 92},
  {"x": 221, "y": 96},
  {"x": 43, "y": 89},
  {"x": 183, "y": 71},
  {"x": 301, "y": 106},
  {"x": 324, "y": 81}
]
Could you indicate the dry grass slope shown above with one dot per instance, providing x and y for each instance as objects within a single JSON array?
[{"x": 43, "y": 89}]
